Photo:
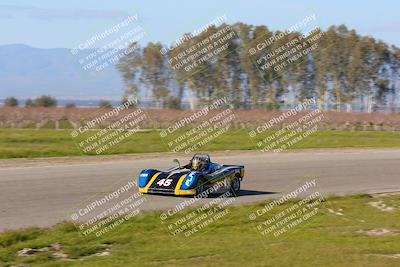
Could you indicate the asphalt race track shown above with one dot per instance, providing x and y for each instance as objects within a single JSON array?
[{"x": 43, "y": 192}]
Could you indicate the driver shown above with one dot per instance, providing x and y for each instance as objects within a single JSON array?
[
  {"x": 199, "y": 164},
  {"x": 196, "y": 164}
]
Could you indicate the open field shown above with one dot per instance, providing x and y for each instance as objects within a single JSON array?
[
  {"x": 67, "y": 118},
  {"x": 346, "y": 231},
  {"x": 18, "y": 143}
]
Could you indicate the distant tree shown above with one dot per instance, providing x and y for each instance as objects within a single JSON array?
[
  {"x": 223, "y": 77},
  {"x": 356, "y": 74},
  {"x": 105, "y": 104},
  {"x": 163, "y": 93},
  {"x": 173, "y": 102},
  {"x": 154, "y": 73},
  {"x": 130, "y": 66},
  {"x": 70, "y": 105},
  {"x": 45, "y": 101},
  {"x": 11, "y": 102},
  {"x": 124, "y": 100},
  {"x": 252, "y": 78},
  {"x": 381, "y": 92},
  {"x": 179, "y": 74},
  {"x": 29, "y": 103}
]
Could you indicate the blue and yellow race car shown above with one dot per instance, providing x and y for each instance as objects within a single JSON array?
[{"x": 199, "y": 176}]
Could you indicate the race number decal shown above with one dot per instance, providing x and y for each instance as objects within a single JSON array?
[{"x": 164, "y": 182}]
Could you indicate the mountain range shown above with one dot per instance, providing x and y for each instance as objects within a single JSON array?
[{"x": 29, "y": 72}]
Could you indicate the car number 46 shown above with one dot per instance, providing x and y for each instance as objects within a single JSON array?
[{"x": 164, "y": 182}]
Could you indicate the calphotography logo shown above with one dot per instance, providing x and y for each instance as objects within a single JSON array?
[
  {"x": 278, "y": 218},
  {"x": 106, "y": 213},
  {"x": 182, "y": 222},
  {"x": 292, "y": 46},
  {"x": 105, "y": 49},
  {"x": 288, "y": 129},
  {"x": 122, "y": 123},
  {"x": 193, "y": 132}
]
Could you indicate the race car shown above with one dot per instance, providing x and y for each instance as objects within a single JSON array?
[{"x": 198, "y": 177}]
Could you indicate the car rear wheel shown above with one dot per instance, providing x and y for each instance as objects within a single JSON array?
[{"x": 235, "y": 185}]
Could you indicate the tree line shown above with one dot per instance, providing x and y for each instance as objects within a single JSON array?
[
  {"x": 41, "y": 101},
  {"x": 48, "y": 101},
  {"x": 346, "y": 72}
]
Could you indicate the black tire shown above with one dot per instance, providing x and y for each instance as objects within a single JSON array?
[{"x": 235, "y": 186}]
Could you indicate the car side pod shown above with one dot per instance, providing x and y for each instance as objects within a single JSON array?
[{"x": 187, "y": 186}]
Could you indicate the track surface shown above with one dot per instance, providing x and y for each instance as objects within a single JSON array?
[{"x": 46, "y": 191}]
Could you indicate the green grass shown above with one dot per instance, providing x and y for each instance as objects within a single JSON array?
[
  {"x": 19, "y": 143},
  {"x": 327, "y": 239}
]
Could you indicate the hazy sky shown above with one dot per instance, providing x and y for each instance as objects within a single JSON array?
[{"x": 50, "y": 24}]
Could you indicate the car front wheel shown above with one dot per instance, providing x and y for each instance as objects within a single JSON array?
[{"x": 235, "y": 185}]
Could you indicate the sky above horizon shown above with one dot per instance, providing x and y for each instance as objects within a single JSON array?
[{"x": 55, "y": 24}]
